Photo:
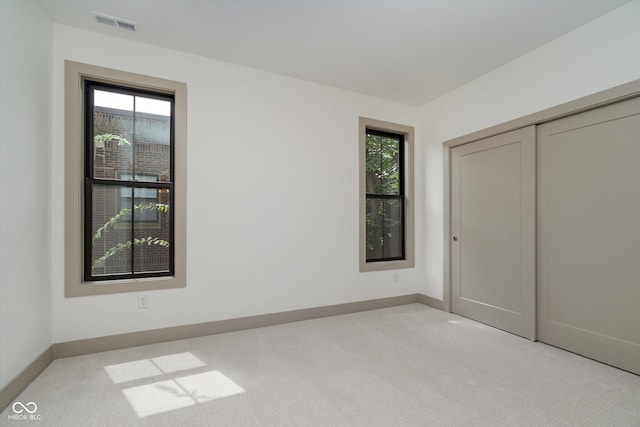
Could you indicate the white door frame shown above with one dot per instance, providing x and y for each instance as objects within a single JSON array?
[{"x": 606, "y": 97}]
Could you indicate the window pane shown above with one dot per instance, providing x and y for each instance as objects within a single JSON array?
[
  {"x": 157, "y": 107},
  {"x": 393, "y": 228},
  {"x": 375, "y": 231},
  {"x": 390, "y": 166},
  {"x": 111, "y": 235},
  {"x": 113, "y": 100},
  {"x": 384, "y": 228},
  {"x": 373, "y": 164},
  {"x": 152, "y": 238},
  {"x": 382, "y": 165},
  {"x": 153, "y": 138},
  {"x": 112, "y": 134}
]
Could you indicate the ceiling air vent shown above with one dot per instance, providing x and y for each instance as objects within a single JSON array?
[
  {"x": 125, "y": 25},
  {"x": 111, "y": 21}
]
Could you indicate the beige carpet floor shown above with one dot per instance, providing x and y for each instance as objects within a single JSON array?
[{"x": 409, "y": 365}]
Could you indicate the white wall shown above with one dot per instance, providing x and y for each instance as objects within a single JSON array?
[
  {"x": 25, "y": 171},
  {"x": 272, "y": 194},
  {"x": 599, "y": 55},
  {"x": 272, "y": 176}
]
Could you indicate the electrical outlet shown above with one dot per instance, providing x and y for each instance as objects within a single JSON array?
[
  {"x": 143, "y": 302},
  {"x": 396, "y": 277}
]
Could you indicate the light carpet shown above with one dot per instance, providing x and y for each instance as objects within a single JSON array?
[{"x": 409, "y": 365}]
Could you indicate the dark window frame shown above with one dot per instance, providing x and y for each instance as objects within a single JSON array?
[
  {"x": 89, "y": 180},
  {"x": 401, "y": 191}
]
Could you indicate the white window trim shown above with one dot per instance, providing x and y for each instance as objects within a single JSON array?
[
  {"x": 409, "y": 238},
  {"x": 75, "y": 286}
]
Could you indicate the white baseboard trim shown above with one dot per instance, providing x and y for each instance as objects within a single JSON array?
[
  {"x": 431, "y": 302},
  {"x": 24, "y": 378},
  {"x": 133, "y": 339}
]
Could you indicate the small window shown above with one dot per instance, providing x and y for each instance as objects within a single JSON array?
[
  {"x": 386, "y": 196},
  {"x": 125, "y": 176}
]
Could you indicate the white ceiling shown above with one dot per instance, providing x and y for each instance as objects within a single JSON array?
[{"x": 407, "y": 51}]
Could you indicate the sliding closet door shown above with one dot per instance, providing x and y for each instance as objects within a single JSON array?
[
  {"x": 493, "y": 231},
  {"x": 589, "y": 234}
]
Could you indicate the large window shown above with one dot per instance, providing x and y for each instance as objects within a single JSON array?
[
  {"x": 386, "y": 187},
  {"x": 128, "y": 145},
  {"x": 125, "y": 175}
]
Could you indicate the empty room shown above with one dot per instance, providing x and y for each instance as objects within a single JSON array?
[{"x": 320, "y": 213}]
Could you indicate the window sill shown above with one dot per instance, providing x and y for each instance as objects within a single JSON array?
[
  {"x": 386, "y": 265},
  {"x": 124, "y": 285}
]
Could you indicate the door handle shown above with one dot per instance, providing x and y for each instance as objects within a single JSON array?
[{"x": 455, "y": 238}]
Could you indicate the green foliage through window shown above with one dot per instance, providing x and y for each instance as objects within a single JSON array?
[
  {"x": 113, "y": 221},
  {"x": 383, "y": 165}
]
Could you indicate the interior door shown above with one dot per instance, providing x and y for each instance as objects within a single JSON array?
[
  {"x": 493, "y": 231},
  {"x": 589, "y": 234}
]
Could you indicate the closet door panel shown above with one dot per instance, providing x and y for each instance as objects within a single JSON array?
[
  {"x": 493, "y": 231},
  {"x": 589, "y": 234}
]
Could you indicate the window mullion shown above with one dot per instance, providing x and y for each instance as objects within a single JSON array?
[
  {"x": 88, "y": 209},
  {"x": 380, "y": 182},
  {"x": 133, "y": 188},
  {"x": 384, "y": 230},
  {"x": 139, "y": 184}
]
